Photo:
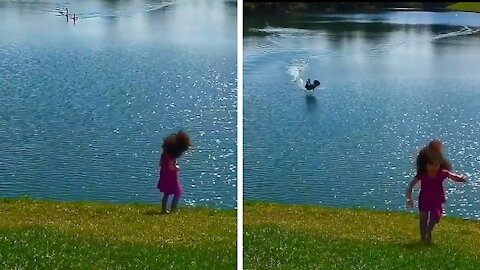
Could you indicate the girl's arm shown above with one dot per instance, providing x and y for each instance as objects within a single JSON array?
[
  {"x": 456, "y": 177},
  {"x": 409, "y": 191},
  {"x": 172, "y": 165}
]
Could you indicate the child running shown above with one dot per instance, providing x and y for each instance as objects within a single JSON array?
[
  {"x": 173, "y": 147},
  {"x": 431, "y": 175}
]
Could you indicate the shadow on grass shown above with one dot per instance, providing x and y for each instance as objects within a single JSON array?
[
  {"x": 154, "y": 213},
  {"x": 159, "y": 213},
  {"x": 415, "y": 245}
]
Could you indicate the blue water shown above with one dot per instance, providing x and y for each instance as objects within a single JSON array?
[
  {"x": 84, "y": 106},
  {"x": 390, "y": 82}
]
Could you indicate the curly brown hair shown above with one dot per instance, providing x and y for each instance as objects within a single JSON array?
[
  {"x": 176, "y": 144},
  {"x": 429, "y": 150}
]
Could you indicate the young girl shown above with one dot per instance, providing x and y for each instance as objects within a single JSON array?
[
  {"x": 173, "y": 147},
  {"x": 432, "y": 196}
]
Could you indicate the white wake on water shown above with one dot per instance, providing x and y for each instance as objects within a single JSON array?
[{"x": 465, "y": 31}]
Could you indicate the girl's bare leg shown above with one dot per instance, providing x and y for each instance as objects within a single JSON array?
[
  {"x": 423, "y": 225},
  {"x": 431, "y": 225},
  {"x": 175, "y": 200},
  {"x": 164, "y": 203}
]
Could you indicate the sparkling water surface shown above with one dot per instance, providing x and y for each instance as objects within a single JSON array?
[
  {"x": 84, "y": 106},
  {"x": 390, "y": 82}
]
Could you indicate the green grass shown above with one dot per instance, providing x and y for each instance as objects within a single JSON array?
[
  {"x": 465, "y": 6},
  {"x": 310, "y": 237},
  {"x": 52, "y": 235}
]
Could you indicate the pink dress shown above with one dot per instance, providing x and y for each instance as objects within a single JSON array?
[
  {"x": 432, "y": 195},
  {"x": 168, "y": 182}
]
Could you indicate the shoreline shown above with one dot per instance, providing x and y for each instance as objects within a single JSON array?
[
  {"x": 248, "y": 203},
  {"x": 106, "y": 203}
]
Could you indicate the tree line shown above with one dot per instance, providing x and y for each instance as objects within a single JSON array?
[{"x": 338, "y": 7}]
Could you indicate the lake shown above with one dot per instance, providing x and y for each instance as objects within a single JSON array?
[
  {"x": 85, "y": 105},
  {"x": 390, "y": 82}
]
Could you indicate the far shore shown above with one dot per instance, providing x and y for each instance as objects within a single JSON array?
[{"x": 265, "y": 8}]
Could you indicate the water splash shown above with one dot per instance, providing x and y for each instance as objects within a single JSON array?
[{"x": 296, "y": 70}]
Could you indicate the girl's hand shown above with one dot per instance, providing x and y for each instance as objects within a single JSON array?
[
  {"x": 409, "y": 203},
  {"x": 409, "y": 192},
  {"x": 173, "y": 166},
  {"x": 463, "y": 178}
]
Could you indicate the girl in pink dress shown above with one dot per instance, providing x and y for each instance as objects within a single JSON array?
[
  {"x": 168, "y": 183},
  {"x": 432, "y": 196}
]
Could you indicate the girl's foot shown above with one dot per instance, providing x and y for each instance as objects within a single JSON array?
[
  {"x": 164, "y": 213},
  {"x": 429, "y": 238},
  {"x": 429, "y": 241},
  {"x": 424, "y": 241}
]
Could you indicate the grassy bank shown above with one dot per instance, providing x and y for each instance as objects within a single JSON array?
[
  {"x": 50, "y": 235},
  {"x": 465, "y": 6},
  {"x": 308, "y": 237}
]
